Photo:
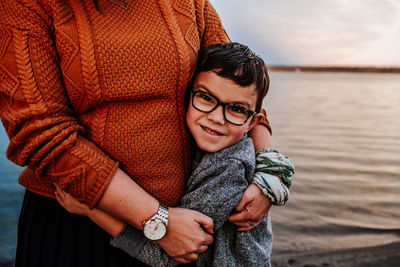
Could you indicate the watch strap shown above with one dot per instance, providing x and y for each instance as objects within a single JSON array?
[{"x": 161, "y": 214}]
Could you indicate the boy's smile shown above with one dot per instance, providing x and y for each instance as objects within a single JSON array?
[{"x": 211, "y": 131}]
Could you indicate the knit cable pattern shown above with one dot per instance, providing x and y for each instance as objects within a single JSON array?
[
  {"x": 83, "y": 92},
  {"x": 89, "y": 72}
]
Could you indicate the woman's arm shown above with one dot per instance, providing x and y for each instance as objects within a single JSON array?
[
  {"x": 128, "y": 202},
  {"x": 261, "y": 137},
  {"x": 186, "y": 234},
  {"x": 110, "y": 224},
  {"x": 150, "y": 253},
  {"x": 35, "y": 110},
  {"x": 254, "y": 205}
]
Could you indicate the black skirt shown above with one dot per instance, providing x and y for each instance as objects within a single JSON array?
[{"x": 50, "y": 236}]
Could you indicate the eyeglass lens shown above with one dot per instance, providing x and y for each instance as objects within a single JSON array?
[{"x": 234, "y": 113}]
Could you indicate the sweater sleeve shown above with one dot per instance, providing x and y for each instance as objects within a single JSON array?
[
  {"x": 216, "y": 189},
  {"x": 210, "y": 25},
  {"x": 35, "y": 111}
]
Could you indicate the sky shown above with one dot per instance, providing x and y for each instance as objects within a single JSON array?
[{"x": 316, "y": 32}]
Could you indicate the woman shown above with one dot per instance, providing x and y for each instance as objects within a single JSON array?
[{"x": 92, "y": 98}]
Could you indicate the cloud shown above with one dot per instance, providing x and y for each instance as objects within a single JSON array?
[{"x": 316, "y": 31}]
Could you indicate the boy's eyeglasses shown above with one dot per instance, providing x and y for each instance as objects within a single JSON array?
[{"x": 233, "y": 113}]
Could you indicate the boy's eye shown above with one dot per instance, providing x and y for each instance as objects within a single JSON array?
[
  {"x": 237, "y": 109},
  {"x": 205, "y": 97}
]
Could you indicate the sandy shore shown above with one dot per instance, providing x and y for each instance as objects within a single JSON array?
[{"x": 381, "y": 256}]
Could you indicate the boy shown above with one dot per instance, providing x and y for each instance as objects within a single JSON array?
[{"x": 225, "y": 100}]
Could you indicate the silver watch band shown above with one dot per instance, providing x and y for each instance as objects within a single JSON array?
[{"x": 161, "y": 214}]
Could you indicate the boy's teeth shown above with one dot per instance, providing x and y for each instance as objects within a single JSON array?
[{"x": 211, "y": 131}]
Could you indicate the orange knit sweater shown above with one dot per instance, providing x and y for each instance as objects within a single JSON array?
[{"x": 83, "y": 90}]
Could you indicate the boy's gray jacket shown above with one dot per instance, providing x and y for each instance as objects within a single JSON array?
[{"x": 214, "y": 189}]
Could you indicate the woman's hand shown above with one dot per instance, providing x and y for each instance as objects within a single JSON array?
[
  {"x": 254, "y": 205},
  {"x": 189, "y": 233},
  {"x": 70, "y": 203},
  {"x": 251, "y": 210}
]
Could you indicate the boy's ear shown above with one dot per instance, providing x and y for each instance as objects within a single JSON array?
[{"x": 255, "y": 120}]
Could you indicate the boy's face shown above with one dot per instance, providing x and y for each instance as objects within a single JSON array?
[{"x": 211, "y": 131}]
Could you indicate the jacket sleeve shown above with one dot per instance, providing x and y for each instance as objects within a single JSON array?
[{"x": 43, "y": 131}]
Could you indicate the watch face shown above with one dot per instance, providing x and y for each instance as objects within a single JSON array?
[{"x": 154, "y": 230}]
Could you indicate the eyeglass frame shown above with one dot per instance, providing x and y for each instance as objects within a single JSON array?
[{"x": 250, "y": 112}]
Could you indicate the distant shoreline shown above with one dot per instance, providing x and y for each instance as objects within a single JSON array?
[{"x": 335, "y": 69}]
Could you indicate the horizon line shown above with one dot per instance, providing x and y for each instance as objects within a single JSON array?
[{"x": 336, "y": 68}]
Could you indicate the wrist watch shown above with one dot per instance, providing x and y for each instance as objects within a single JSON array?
[{"x": 156, "y": 227}]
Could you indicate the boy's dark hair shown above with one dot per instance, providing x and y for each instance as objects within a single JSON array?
[{"x": 238, "y": 63}]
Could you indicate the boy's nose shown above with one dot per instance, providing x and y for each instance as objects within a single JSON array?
[{"x": 217, "y": 115}]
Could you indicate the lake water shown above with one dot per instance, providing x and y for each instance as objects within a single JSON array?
[
  {"x": 342, "y": 130},
  {"x": 11, "y": 194}
]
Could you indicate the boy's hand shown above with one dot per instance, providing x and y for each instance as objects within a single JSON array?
[
  {"x": 251, "y": 210},
  {"x": 70, "y": 203}
]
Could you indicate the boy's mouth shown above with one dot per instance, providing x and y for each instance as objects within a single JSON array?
[{"x": 211, "y": 131}]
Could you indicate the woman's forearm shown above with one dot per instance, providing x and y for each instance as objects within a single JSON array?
[
  {"x": 110, "y": 224},
  {"x": 126, "y": 200},
  {"x": 261, "y": 137}
]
